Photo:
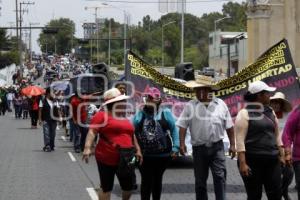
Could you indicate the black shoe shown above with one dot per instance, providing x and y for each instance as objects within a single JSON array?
[
  {"x": 47, "y": 149},
  {"x": 77, "y": 151},
  {"x": 135, "y": 187}
]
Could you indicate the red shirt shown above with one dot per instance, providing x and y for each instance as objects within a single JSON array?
[
  {"x": 83, "y": 112},
  {"x": 75, "y": 101},
  {"x": 118, "y": 131}
]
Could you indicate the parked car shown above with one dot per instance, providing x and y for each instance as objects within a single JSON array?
[{"x": 207, "y": 71}]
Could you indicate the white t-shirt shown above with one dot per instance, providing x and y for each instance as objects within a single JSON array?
[
  {"x": 10, "y": 96},
  {"x": 50, "y": 102}
]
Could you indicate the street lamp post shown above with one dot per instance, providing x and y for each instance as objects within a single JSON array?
[
  {"x": 125, "y": 28},
  {"x": 30, "y": 41},
  {"x": 162, "y": 41},
  {"x": 217, "y": 21}
]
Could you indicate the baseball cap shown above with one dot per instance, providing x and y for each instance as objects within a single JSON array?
[
  {"x": 259, "y": 86},
  {"x": 153, "y": 92}
]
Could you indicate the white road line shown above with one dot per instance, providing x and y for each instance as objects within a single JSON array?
[
  {"x": 72, "y": 157},
  {"x": 230, "y": 158},
  {"x": 63, "y": 138},
  {"x": 92, "y": 193}
]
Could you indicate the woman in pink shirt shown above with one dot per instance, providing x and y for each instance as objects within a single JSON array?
[{"x": 291, "y": 142}]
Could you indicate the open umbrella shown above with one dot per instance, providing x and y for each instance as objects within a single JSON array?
[{"x": 33, "y": 91}]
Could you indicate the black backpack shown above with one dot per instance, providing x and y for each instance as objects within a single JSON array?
[{"x": 154, "y": 135}]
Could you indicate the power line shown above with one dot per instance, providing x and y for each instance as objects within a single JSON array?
[{"x": 151, "y": 2}]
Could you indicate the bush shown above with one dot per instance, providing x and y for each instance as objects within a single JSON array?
[
  {"x": 9, "y": 58},
  {"x": 120, "y": 68}
]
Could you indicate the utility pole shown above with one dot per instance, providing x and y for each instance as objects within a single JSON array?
[
  {"x": 182, "y": 31},
  {"x": 17, "y": 23},
  {"x": 109, "y": 37},
  {"x": 162, "y": 42},
  {"x": 91, "y": 47},
  {"x": 20, "y": 40},
  {"x": 97, "y": 32},
  {"x": 125, "y": 37},
  {"x": 30, "y": 40},
  {"x": 97, "y": 28}
]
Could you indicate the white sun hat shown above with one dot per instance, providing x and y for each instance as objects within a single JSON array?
[
  {"x": 287, "y": 106},
  {"x": 259, "y": 86},
  {"x": 113, "y": 95}
]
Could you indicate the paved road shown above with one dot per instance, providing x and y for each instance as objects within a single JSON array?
[{"x": 26, "y": 172}]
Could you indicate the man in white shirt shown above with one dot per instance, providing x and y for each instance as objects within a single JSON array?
[{"x": 208, "y": 118}]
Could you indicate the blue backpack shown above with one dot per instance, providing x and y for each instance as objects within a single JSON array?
[{"x": 154, "y": 135}]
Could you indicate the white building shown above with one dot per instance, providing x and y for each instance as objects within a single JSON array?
[{"x": 219, "y": 45}]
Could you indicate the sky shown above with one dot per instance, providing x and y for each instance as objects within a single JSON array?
[{"x": 45, "y": 10}]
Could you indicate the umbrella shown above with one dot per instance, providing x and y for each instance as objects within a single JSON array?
[
  {"x": 33, "y": 91},
  {"x": 60, "y": 85}
]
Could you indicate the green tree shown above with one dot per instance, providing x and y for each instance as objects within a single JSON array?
[
  {"x": 140, "y": 40},
  {"x": 3, "y": 39},
  {"x": 147, "y": 23},
  {"x": 172, "y": 43},
  {"x": 61, "y": 42},
  {"x": 237, "y": 12}
]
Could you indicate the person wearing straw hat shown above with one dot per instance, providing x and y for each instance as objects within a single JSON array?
[
  {"x": 116, "y": 132},
  {"x": 282, "y": 107},
  {"x": 208, "y": 118},
  {"x": 258, "y": 144}
]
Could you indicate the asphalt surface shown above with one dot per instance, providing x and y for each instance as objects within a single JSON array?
[{"x": 26, "y": 172}]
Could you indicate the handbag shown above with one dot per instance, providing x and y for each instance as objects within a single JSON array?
[{"x": 127, "y": 161}]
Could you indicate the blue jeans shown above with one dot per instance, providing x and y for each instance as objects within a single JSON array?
[
  {"x": 72, "y": 130},
  {"x": 214, "y": 158},
  {"x": 83, "y": 134},
  {"x": 18, "y": 111},
  {"x": 76, "y": 136},
  {"x": 49, "y": 129}
]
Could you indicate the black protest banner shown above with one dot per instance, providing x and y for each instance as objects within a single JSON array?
[
  {"x": 143, "y": 75},
  {"x": 275, "y": 67}
]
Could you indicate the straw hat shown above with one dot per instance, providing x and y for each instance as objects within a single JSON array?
[
  {"x": 202, "y": 81},
  {"x": 113, "y": 95},
  {"x": 287, "y": 106}
]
